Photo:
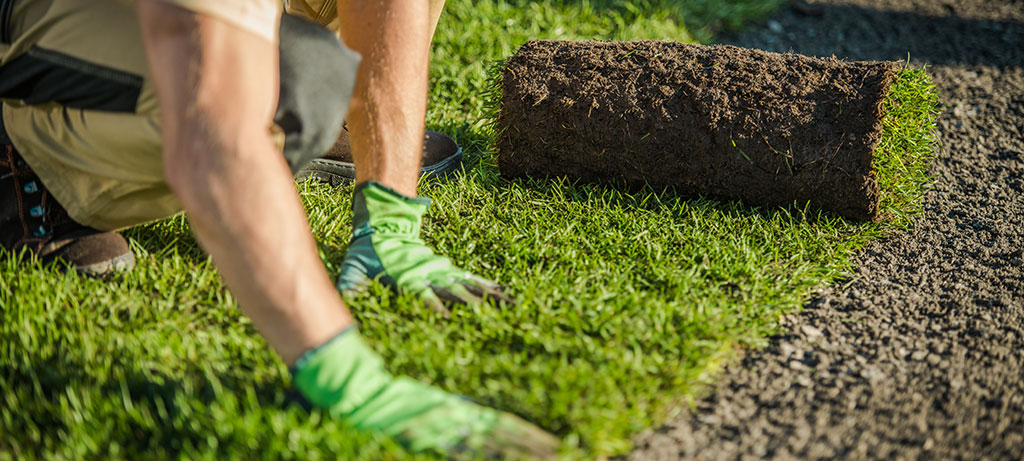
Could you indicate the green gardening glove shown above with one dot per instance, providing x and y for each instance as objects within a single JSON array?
[
  {"x": 386, "y": 246},
  {"x": 348, "y": 381}
]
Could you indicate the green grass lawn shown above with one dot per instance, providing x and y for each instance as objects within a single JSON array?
[{"x": 628, "y": 302}]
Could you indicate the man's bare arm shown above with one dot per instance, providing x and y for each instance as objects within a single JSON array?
[{"x": 216, "y": 85}]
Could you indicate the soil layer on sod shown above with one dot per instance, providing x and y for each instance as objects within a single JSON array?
[
  {"x": 920, "y": 353},
  {"x": 715, "y": 121}
]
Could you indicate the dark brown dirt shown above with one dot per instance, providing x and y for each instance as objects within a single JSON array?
[
  {"x": 920, "y": 354},
  {"x": 715, "y": 121}
]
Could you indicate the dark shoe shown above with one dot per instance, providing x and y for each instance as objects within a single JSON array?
[
  {"x": 441, "y": 155},
  {"x": 30, "y": 218}
]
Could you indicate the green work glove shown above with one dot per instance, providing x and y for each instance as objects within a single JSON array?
[
  {"x": 348, "y": 380},
  {"x": 386, "y": 246}
]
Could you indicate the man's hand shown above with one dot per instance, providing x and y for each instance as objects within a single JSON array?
[
  {"x": 386, "y": 246},
  {"x": 349, "y": 381}
]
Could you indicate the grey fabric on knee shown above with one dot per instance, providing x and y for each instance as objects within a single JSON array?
[{"x": 318, "y": 74}]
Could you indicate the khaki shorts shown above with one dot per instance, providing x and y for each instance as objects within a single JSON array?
[{"x": 79, "y": 105}]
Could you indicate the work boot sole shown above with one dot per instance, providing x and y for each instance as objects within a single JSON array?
[
  {"x": 441, "y": 156},
  {"x": 121, "y": 263},
  {"x": 90, "y": 252}
]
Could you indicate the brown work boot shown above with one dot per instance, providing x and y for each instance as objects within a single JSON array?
[
  {"x": 31, "y": 218},
  {"x": 441, "y": 155}
]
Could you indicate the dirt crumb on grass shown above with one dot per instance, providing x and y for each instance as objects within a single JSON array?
[{"x": 716, "y": 121}]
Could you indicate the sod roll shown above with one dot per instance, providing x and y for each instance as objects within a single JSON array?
[{"x": 716, "y": 121}]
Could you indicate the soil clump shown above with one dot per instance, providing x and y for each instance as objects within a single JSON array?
[
  {"x": 919, "y": 354},
  {"x": 715, "y": 121}
]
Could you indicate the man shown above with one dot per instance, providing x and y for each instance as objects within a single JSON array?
[{"x": 117, "y": 112}]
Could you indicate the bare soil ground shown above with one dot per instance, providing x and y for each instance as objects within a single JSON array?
[{"x": 920, "y": 353}]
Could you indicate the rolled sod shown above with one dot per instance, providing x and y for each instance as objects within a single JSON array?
[{"x": 715, "y": 121}]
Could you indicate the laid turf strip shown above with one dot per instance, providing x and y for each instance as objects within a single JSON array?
[{"x": 716, "y": 121}]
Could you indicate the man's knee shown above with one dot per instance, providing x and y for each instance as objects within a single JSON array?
[{"x": 318, "y": 75}]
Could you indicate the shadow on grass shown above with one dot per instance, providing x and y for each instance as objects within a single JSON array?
[
  {"x": 141, "y": 411},
  {"x": 646, "y": 197}
]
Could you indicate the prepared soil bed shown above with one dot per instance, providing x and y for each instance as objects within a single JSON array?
[{"x": 715, "y": 121}]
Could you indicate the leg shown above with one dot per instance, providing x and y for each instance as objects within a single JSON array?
[
  {"x": 90, "y": 162},
  {"x": 44, "y": 65}
]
